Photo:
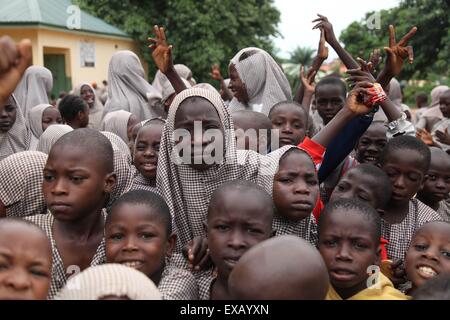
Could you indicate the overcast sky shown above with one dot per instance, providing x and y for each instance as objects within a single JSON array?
[{"x": 296, "y": 16}]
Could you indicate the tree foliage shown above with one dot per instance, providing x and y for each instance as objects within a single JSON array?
[
  {"x": 431, "y": 43},
  {"x": 202, "y": 32}
]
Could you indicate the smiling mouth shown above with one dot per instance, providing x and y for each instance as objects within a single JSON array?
[
  {"x": 370, "y": 159},
  {"x": 148, "y": 166},
  {"x": 135, "y": 264},
  {"x": 426, "y": 272}
]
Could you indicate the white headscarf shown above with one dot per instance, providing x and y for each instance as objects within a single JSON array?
[
  {"x": 160, "y": 79},
  {"x": 18, "y": 137},
  {"x": 266, "y": 83},
  {"x": 96, "y": 112},
  {"x": 34, "y": 88},
  {"x": 111, "y": 279},
  {"x": 117, "y": 122},
  {"x": 127, "y": 88}
]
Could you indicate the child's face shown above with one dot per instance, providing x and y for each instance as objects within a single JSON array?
[
  {"x": 329, "y": 100},
  {"x": 295, "y": 186},
  {"x": 235, "y": 225},
  {"x": 25, "y": 263},
  {"x": 132, "y": 138},
  {"x": 74, "y": 184},
  {"x": 291, "y": 123},
  {"x": 50, "y": 116},
  {"x": 83, "y": 117},
  {"x": 437, "y": 182},
  {"x": 355, "y": 184},
  {"x": 237, "y": 86},
  {"x": 137, "y": 237},
  {"x": 444, "y": 104},
  {"x": 348, "y": 246},
  {"x": 194, "y": 115},
  {"x": 369, "y": 146},
  {"x": 429, "y": 253},
  {"x": 87, "y": 95},
  {"x": 147, "y": 149},
  {"x": 404, "y": 169},
  {"x": 7, "y": 115}
]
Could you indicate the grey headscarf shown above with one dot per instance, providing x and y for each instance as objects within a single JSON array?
[
  {"x": 96, "y": 112},
  {"x": 34, "y": 88},
  {"x": 35, "y": 123},
  {"x": 117, "y": 122},
  {"x": 266, "y": 83},
  {"x": 127, "y": 88},
  {"x": 160, "y": 79},
  {"x": 18, "y": 137},
  {"x": 21, "y": 183},
  {"x": 49, "y": 137}
]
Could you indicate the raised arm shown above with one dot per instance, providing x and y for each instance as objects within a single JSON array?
[
  {"x": 322, "y": 55},
  {"x": 327, "y": 27},
  {"x": 14, "y": 60},
  {"x": 396, "y": 55},
  {"x": 162, "y": 56},
  {"x": 216, "y": 75}
]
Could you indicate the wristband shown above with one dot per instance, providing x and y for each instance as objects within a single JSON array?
[{"x": 377, "y": 94}]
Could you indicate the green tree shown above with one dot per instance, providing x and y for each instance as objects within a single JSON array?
[
  {"x": 431, "y": 43},
  {"x": 302, "y": 55},
  {"x": 202, "y": 32}
]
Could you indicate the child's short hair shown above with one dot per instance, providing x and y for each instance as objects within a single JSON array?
[
  {"x": 294, "y": 103},
  {"x": 245, "y": 186},
  {"x": 384, "y": 186},
  {"x": 362, "y": 207},
  {"x": 70, "y": 106},
  {"x": 260, "y": 120},
  {"x": 15, "y": 220},
  {"x": 332, "y": 81},
  {"x": 410, "y": 143},
  {"x": 146, "y": 198},
  {"x": 437, "y": 288},
  {"x": 93, "y": 143}
]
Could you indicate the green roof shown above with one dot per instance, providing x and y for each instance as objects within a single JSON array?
[{"x": 52, "y": 13}]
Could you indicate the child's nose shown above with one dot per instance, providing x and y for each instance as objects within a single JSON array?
[
  {"x": 59, "y": 187},
  {"x": 130, "y": 244},
  {"x": 237, "y": 240},
  {"x": 344, "y": 253},
  {"x": 18, "y": 280}
]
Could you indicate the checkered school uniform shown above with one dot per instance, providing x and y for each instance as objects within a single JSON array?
[
  {"x": 444, "y": 210},
  {"x": 399, "y": 235},
  {"x": 205, "y": 280},
  {"x": 177, "y": 284},
  {"x": 59, "y": 275},
  {"x": 21, "y": 183},
  {"x": 142, "y": 183},
  {"x": 119, "y": 143}
]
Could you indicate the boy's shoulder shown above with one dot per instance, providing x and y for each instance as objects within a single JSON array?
[
  {"x": 422, "y": 212},
  {"x": 43, "y": 221}
]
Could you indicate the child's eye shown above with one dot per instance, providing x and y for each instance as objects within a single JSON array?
[
  {"x": 222, "y": 227},
  {"x": 363, "y": 197},
  {"x": 39, "y": 273},
  {"x": 446, "y": 254},
  {"x": 77, "y": 179},
  {"x": 420, "y": 247},
  {"x": 432, "y": 177},
  {"x": 48, "y": 177},
  {"x": 284, "y": 180},
  {"x": 116, "y": 237},
  {"x": 3, "y": 266},
  {"x": 254, "y": 231},
  {"x": 9, "y": 108},
  {"x": 312, "y": 182},
  {"x": 359, "y": 245},
  {"x": 156, "y": 147},
  {"x": 147, "y": 235},
  {"x": 330, "y": 243}
]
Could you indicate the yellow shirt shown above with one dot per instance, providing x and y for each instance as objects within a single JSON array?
[{"x": 385, "y": 292}]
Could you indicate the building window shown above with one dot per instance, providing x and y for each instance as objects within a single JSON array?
[{"x": 87, "y": 54}]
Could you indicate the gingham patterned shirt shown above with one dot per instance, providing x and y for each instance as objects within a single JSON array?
[
  {"x": 59, "y": 275},
  {"x": 444, "y": 210},
  {"x": 178, "y": 284},
  {"x": 400, "y": 235}
]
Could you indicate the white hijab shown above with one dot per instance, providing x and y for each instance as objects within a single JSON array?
[{"x": 35, "y": 124}]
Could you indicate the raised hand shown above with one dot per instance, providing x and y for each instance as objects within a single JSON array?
[
  {"x": 324, "y": 25},
  {"x": 443, "y": 137},
  {"x": 357, "y": 98},
  {"x": 425, "y": 136},
  {"x": 398, "y": 52},
  {"x": 362, "y": 74},
  {"x": 215, "y": 73},
  {"x": 322, "y": 51},
  {"x": 161, "y": 51},
  {"x": 307, "y": 80},
  {"x": 14, "y": 60},
  {"x": 375, "y": 59}
]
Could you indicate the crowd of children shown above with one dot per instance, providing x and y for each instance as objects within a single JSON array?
[{"x": 176, "y": 191}]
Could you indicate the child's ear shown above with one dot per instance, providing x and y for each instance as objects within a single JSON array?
[
  {"x": 171, "y": 241},
  {"x": 110, "y": 182}
]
